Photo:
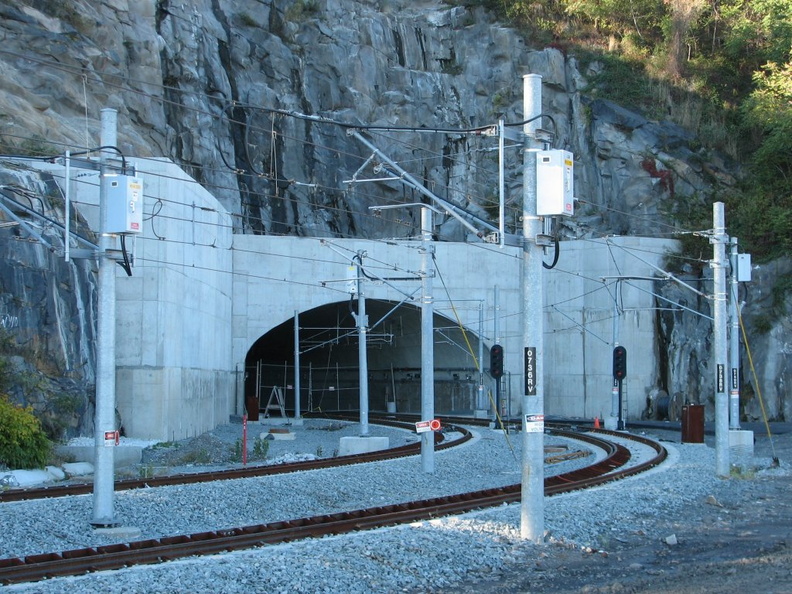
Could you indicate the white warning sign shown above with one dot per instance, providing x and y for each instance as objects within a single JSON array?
[{"x": 534, "y": 423}]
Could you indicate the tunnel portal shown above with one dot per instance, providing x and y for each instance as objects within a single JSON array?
[{"x": 329, "y": 355}]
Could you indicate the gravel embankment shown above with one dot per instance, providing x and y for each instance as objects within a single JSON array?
[{"x": 421, "y": 557}]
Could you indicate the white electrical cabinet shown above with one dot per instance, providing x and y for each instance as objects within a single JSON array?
[
  {"x": 554, "y": 183},
  {"x": 124, "y": 204},
  {"x": 744, "y": 268}
]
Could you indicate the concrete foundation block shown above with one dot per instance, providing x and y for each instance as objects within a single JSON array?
[
  {"x": 27, "y": 478},
  {"x": 278, "y": 435},
  {"x": 56, "y": 473},
  {"x": 741, "y": 448},
  {"x": 120, "y": 532},
  {"x": 78, "y": 469},
  {"x": 276, "y": 421},
  {"x": 349, "y": 446},
  {"x": 124, "y": 455}
]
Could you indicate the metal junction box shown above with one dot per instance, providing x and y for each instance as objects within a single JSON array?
[
  {"x": 744, "y": 268},
  {"x": 124, "y": 204},
  {"x": 554, "y": 183}
]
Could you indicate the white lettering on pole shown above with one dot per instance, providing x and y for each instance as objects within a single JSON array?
[{"x": 530, "y": 371}]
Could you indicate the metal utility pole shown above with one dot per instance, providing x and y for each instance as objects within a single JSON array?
[
  {"x": 498, "y": 380},
  {"x": 480, "y": 389},
  {"x": 719, "y": 240},
  {"x": 734, "y": 342},
  {"x": 532, "y": 487},
  {"x": 362, "y": 324},
  {"x": 104, "y": 420},
  {"x": 296, "y": 365},
  {"x": 427, "y": 339},
  {"x": 616, "y": 404}
]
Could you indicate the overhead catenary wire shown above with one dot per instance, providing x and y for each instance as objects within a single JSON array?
[{"x": 484, "y": 247}]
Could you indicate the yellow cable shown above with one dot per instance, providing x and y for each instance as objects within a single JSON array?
[
  {"x": 756, "y": 381},
  {"x": 475, "y": 359}
]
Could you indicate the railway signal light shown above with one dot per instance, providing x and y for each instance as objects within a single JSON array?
[
  {"x": 496, "y": 361},
  {"x": 619, "y": 363}
]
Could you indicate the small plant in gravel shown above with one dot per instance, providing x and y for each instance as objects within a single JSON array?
[
  {"x": 261, "y": 449},
  {"x": 196, "y": 457},
  {"x": 237, "y": 455},
  {"x": 742, "y": 473}
]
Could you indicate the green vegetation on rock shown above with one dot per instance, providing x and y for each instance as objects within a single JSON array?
[{"x": 23, "y": 443}]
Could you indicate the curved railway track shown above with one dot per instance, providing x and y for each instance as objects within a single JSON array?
[
  {"x": 79, "y": 561},
  {"x": 246, "y": 472}
]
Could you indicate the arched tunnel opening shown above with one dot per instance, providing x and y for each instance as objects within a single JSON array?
[{"x": 329, "y": 363}]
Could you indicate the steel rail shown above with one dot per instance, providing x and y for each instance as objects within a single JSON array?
[
  {"x": 80, "y": 561},
  {"x": 410, "y": 449}
]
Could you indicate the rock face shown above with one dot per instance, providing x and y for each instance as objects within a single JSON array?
[
  {"x": 247, "y": 96},
  {"x": 48, "y": 306}
]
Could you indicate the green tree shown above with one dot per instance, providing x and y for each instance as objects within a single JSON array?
[
  {"x": 763, "y": 213},
  {"x": 23, "y": 443}
]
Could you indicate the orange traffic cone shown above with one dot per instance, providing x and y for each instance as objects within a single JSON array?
[{"x": 596, "y": 423}]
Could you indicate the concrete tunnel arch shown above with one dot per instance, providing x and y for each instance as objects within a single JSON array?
[{"x": 329, "y": 372}]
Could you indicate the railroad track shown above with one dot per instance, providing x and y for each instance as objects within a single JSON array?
[
  {"x": 116, "y": 556},
  {"x": 250, "y": 471}
]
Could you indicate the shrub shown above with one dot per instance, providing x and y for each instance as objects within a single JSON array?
[{"x": 23, "y": 443}]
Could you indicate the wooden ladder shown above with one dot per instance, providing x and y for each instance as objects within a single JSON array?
[{"x": 277, "y": 396}]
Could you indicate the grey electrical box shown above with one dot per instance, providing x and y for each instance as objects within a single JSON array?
[
  {"x": 744, "y": 268},
  {"x": 352, "y": 280},
  {"x": 554, "y": 183},
  {"x": 124, "y": 204}
]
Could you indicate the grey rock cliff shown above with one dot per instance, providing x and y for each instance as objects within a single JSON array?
[{"x": 215, "y": 85}]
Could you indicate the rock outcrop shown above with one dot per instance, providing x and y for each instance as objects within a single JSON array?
[{"x": 254, "y": 99}]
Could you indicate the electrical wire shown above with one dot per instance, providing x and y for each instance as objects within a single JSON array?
[
  {"x": 478, "y": 130},
  {"x": 555, "y": 257},
  {"x": 125, "y": 263},
  {"x": 390, "y": 267}
]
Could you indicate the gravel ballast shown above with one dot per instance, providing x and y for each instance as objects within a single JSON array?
[{"x": 420, "y": 557}]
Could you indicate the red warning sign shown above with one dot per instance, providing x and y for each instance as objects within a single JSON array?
[{"x": 424, "y": 426}]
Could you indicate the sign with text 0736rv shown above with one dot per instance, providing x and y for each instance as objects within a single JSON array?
[{"x": 530, "y": 371}]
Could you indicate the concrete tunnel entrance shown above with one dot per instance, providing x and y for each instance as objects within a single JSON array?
[{"x": 329, "y": 373}]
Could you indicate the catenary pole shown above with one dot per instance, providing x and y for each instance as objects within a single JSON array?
[
  {"x": 616, "y": 412},
  {"x": 427, "y": 340},
  {"x": 496, "y": 332},
  {"x": 362, "y": 324},
  {"x": 296, "y": 365},
  {"x": 532, "y": 486},
  {"x": 734, "y": 343},
  {"x": 719, "y": 240},
  {"x": 104, "y": 418},
  {"x": 480, "y": 390}
]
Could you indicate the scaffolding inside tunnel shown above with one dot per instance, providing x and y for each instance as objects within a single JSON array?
[{"x": 393, "y": 389}]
